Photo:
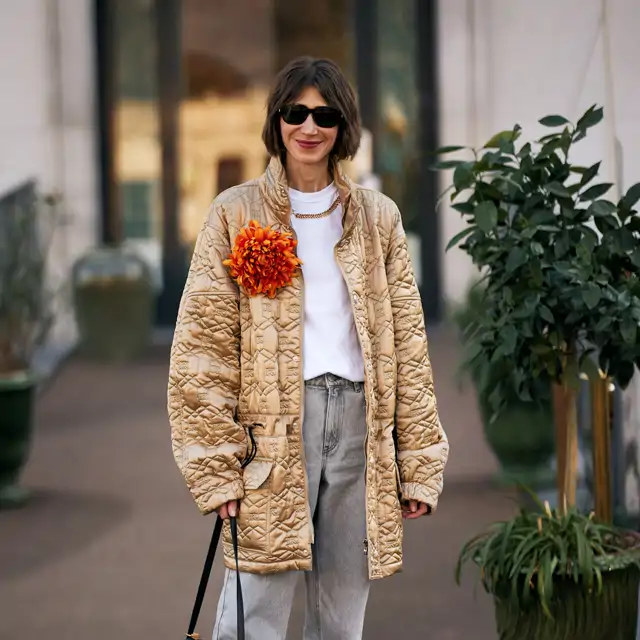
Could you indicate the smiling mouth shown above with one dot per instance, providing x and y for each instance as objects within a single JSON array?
[{"x": 307, "y": 144}]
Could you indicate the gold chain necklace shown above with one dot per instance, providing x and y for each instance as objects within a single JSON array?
[{"x": 316, "y": 216}]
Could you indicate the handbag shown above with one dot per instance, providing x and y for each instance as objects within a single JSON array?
[{"x": 208, "y": 564}]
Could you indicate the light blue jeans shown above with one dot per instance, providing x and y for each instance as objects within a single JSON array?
[{"x": 337, "y": 589}]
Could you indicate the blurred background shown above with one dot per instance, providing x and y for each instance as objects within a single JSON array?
[{"x": 128, "y": 117}]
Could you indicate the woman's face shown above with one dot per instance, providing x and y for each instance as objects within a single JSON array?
[{"x": 307, "y": 143}]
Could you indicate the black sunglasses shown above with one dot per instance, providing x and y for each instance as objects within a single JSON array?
[{"x": 324, "y": 117}]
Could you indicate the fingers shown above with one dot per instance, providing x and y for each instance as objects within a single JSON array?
[
  {"x": 414, "y": 509},
  {"x": 223, "y": 513},
  {"x": 230, "y": 509}
]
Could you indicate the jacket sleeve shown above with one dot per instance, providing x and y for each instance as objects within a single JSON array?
[
  {"x": 204, "y": 374},
  {"x": 422, "y": 446}
]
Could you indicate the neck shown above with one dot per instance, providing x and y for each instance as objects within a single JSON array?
[{"x": 308, "y": 178}]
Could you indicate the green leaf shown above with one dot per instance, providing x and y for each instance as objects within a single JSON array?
[
  {"x": 464, "y": 207},
  {"x": 463, "y": 176},
  {"x": 590, "y": 174},
  {"x": 449, "y": 149},
  {"x": 460, "y": 236},
  {"x": 596, "y": 191},
  {"x": 509, "y": 339},
  {"x": 447, "y": 164},
  {"x": 558, "y": 189},
  {"x": 553, "y": 121},
  {"x": 635, "y": 258},
  {"x": 542, "y": 216},
  {"x": 591, "y": 118},
  {"x": 592, "y": 294},
  {"x": 536, "y": 248},
  {"x": 632, "y": 196},
  {"x": 629, "y": 330},
  {"x": 633, "y": 223},
  {"x": 517, "y": 257},
  {"x": 602, "y": 208},
  {"x": 545, "y": 314},
  {"x": 486, "y": 215},
  {"x": 604, "y": 323},
  {"x": 508, "y": 136},
  {"x": 525, "y": 151}
]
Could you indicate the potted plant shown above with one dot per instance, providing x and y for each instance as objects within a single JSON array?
[
  {"x": 114, "y": 304},
  {"x": 560, "y": 265},
  {"x": 558, "y": 575},
  {"x": 27, "y": 221},
  {"x": 521, "y": 435}
]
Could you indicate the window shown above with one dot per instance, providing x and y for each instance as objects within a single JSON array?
[
  {"x": 230, "y": 173},
  {"x": 136, "y": 210}
]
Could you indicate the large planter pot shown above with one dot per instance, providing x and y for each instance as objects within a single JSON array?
[
  {"x": 576, "y": 614},
  {"x": 16, "y": 427},
  {"x": 522, "y": 439},
  {"x": 114, "y": 305}
]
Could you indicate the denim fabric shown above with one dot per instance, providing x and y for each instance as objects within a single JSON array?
[{"x": 337, "y": 588}]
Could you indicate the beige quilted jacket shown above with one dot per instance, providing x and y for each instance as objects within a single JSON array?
[{"x": 236, "y": 363}]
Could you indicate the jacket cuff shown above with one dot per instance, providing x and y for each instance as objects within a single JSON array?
[
  {"x": 224, "y": 493},
  {"x": 421, "y": 493}
]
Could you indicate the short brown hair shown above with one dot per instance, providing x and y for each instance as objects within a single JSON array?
[{"x": 327, "y": 77}]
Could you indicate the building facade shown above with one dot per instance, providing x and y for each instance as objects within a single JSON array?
[
  {"x": 184, "y": 85},
  {"x": 140, "y": 111},
  {"x": 48, "y": 127}
]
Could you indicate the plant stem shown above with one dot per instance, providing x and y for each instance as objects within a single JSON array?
[
  {"x": 571, "y": 465},
  {"x": 601, "y": 443},
  {"x": 566, "y": 419}
]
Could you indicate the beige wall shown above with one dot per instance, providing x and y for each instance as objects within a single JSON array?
[
  {"x": 503, "y": 62},
  {"x": 47, "y": 122}
]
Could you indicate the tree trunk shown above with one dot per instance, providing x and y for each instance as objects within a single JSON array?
[
  {"x": 566, "y": 420},
  {"x": 601, "y": 447}
]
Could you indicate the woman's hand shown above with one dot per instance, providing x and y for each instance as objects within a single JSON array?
[
  {"x": 228, "y": 510},
  {"x": 414, "y": 509}
]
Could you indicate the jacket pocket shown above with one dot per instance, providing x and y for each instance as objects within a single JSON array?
[
  {"x": 254, "y": 516},
  {"x": 256, "y": 473}
]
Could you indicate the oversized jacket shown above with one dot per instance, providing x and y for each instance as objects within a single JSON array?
[{"x": 236, "y": 364}]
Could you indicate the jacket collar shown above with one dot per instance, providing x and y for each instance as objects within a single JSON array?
[{"x": 275, "y": 191}]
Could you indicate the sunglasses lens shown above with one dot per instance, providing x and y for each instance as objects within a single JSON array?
[
  {"x": 295, "y": 114},
  {"x": 326, "y": 117}
]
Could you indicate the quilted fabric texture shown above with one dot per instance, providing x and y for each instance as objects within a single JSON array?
[{"x": 236, "y": 364}]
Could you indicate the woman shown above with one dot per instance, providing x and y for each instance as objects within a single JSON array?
[{"x": 301, "y": 328}]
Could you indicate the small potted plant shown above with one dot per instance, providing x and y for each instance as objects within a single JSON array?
[
  {"x": 27, "y": 222},
  {"x": 558, "y": 575}
]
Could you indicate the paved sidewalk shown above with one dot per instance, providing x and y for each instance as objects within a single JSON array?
[{"x": 111, "y": 546}]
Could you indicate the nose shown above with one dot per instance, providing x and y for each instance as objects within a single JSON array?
[{"x": 309, "y": 126}]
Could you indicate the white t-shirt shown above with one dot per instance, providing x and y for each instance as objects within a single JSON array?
[{"x": 330, "y": 341}]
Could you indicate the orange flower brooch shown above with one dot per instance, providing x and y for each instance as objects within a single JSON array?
[{"x": 263, "y": 260}]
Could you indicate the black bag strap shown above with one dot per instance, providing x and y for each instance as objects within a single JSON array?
[
  {"x": 206, "y": 573},
  {"x": 208, "y": 564}
]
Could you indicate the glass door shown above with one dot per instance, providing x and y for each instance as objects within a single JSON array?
[
  {"x": 137, "y": 144},
  {"x": 231, "y": 51}
]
